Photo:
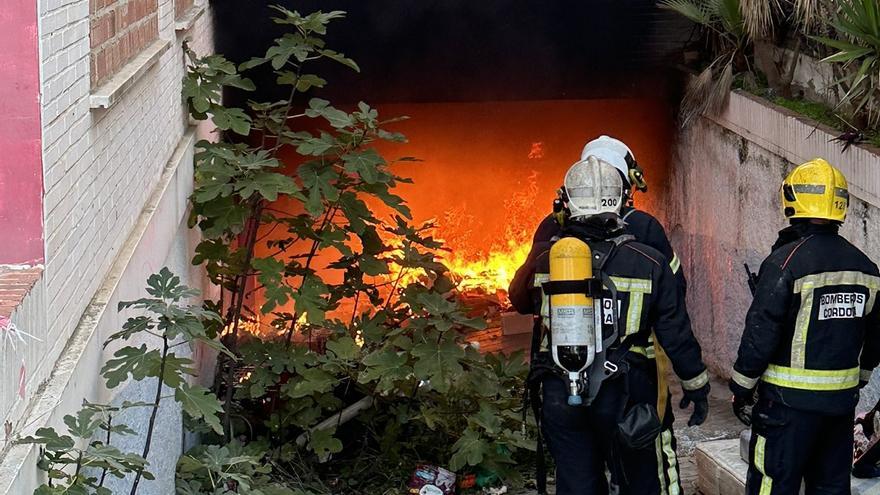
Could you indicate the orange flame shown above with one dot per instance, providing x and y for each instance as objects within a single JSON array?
[
  {"x": 491, "y": 270},
  {"x": 487, "y": 270}
]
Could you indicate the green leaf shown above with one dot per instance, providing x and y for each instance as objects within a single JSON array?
[
  {"x": 166, "y": 285},
  {"x": 271, "y": 272},
  {"x": 254, "y": 62},
  {"x": 232, "y": 118},
  {"x": 310, "y": 382},
  {"x": 116, "y": 462},
  {"x": 175, "y": 369},
  {"x": 50, "y": 439},
  {"x": 84, "y": 424},
  {"x": 438, "y": 363},
  {"x": 289, "y": 45},
  {"x": 309, "y": 81},
  {"x": 309, "y": 299},
  {"x": 206, "y": 190},
  {"x": 385, "y": 366},
  {"x": 324, "y": 444},
  {"x": 321, "y": 108},
  {"x": 356, "y": 211},
  {"x": 137, "y": 362},
  {"x": 394, "y": 137},
  {"x": 131, "y": 327},
  {"x": 342, "y": 59},
  {"x": 487, "y": 419},
  {"x": 391, "y": 200},
  {"x": 319, "y": 181},
  {"x": 689, "y": 9},
  {"x": 846, "y": 56},
  {"x": 199, "y": 403},
  {"x": 268, "y": 184},
  {"x": 317, "y": 146},
  {"x": 225, "y": 215},
  {"x": 210, "y": 249},
  {"x": 469, "y": 450},
  {"x": 200, "y": 97},
  {"x": 344, "y": 348},
  {"x": 366, "y": 164},
  {"x": 373, "y": 266}
]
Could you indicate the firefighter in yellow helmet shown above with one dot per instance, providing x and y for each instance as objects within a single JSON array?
[{"x": 811, "y": 340}]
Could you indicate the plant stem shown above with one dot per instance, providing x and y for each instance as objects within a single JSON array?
[
  {"x": 152, "y": 425},
  {"x": 328, "y": 217},
  {"x": 109, "y": 427},
  {"x": 241, "y": 287}
]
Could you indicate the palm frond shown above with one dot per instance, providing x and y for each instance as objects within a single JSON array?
[
  {"x": 731, "y": 16},
  {"x": 695, "y": 97},
  {"x": 695, "y": 10},
  {"x": 719, "y": 93},
  {"x": 806, "y": 12},
  {"x": 757, "y": 16}
]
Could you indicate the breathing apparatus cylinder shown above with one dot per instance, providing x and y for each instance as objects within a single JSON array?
[{"x": 572, "y": 315}]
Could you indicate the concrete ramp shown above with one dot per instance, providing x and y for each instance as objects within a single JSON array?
[{"x": 722, "y": 471}]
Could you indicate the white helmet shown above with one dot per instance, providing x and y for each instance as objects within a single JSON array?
[
  {"x": 593, "y": 186},
  {"x": 611, "y": 150}
]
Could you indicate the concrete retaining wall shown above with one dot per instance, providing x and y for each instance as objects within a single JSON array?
[{"x": 722, "y": 208}]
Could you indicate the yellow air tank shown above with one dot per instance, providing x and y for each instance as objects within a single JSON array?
[{"x": 572, "y": 315}]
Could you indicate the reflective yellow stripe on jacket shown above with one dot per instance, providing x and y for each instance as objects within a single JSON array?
[
  {"x": 805, "y": 286},
  {"x": 803, "y": 379},
  {"x": 675, "y": 264},
  {"x": 636, "y": 288}
]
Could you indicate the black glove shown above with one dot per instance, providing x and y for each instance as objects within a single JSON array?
[
  {"x": 700, "y": 398},
  {"x": 743, "y": 400}
]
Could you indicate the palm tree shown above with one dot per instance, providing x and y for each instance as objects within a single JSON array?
[{"x": 739, "y": 32}]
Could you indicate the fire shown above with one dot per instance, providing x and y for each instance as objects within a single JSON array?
[
  {"x": 487, "y": 269},
  {"x": 488, "y": 174},
  {"x": 492, "y": 272},
  {"x": 491, "y": 269}
]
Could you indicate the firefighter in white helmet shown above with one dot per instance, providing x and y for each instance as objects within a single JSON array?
[
  {"x": 646, "y": 229},
  {"x": 635, "y": 296},
  {"x": 640, "y": 224}
]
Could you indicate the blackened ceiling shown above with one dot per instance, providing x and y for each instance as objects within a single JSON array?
[{"x": 475, "y": 50}]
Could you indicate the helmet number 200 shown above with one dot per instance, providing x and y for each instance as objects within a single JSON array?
[{"x": 609, "y": 202}]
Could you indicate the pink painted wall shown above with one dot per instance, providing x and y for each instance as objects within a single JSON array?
[{"x": 21, "y": 175}]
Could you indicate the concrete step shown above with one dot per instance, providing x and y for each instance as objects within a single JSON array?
[{"x": 722, "y": 471}]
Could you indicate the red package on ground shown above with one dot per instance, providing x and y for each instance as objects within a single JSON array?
[
  {"x": 467, "y": 481},
  {"x": 431, "y": 480}
]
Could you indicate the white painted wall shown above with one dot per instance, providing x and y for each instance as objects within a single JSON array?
[{"x": 116, "y": 183}]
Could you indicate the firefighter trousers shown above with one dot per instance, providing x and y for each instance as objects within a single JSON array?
[
  {"x": 790, "y": 446},
  {"x": 583, "y": 442}
]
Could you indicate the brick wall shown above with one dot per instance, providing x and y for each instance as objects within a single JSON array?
[
  {"x": 181, "y": 7},
  {"x": 99, "y": 166},
  {"x": 119, "y": 30}
]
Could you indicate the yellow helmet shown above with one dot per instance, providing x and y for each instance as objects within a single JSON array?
[{"x": 815, "y": 189}]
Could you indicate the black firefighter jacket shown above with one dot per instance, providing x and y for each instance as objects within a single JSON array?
[
  {"x": 641, "y": 225},
  {"x": 649, "y": 297},
  {"x": 813, "y": 329}
]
